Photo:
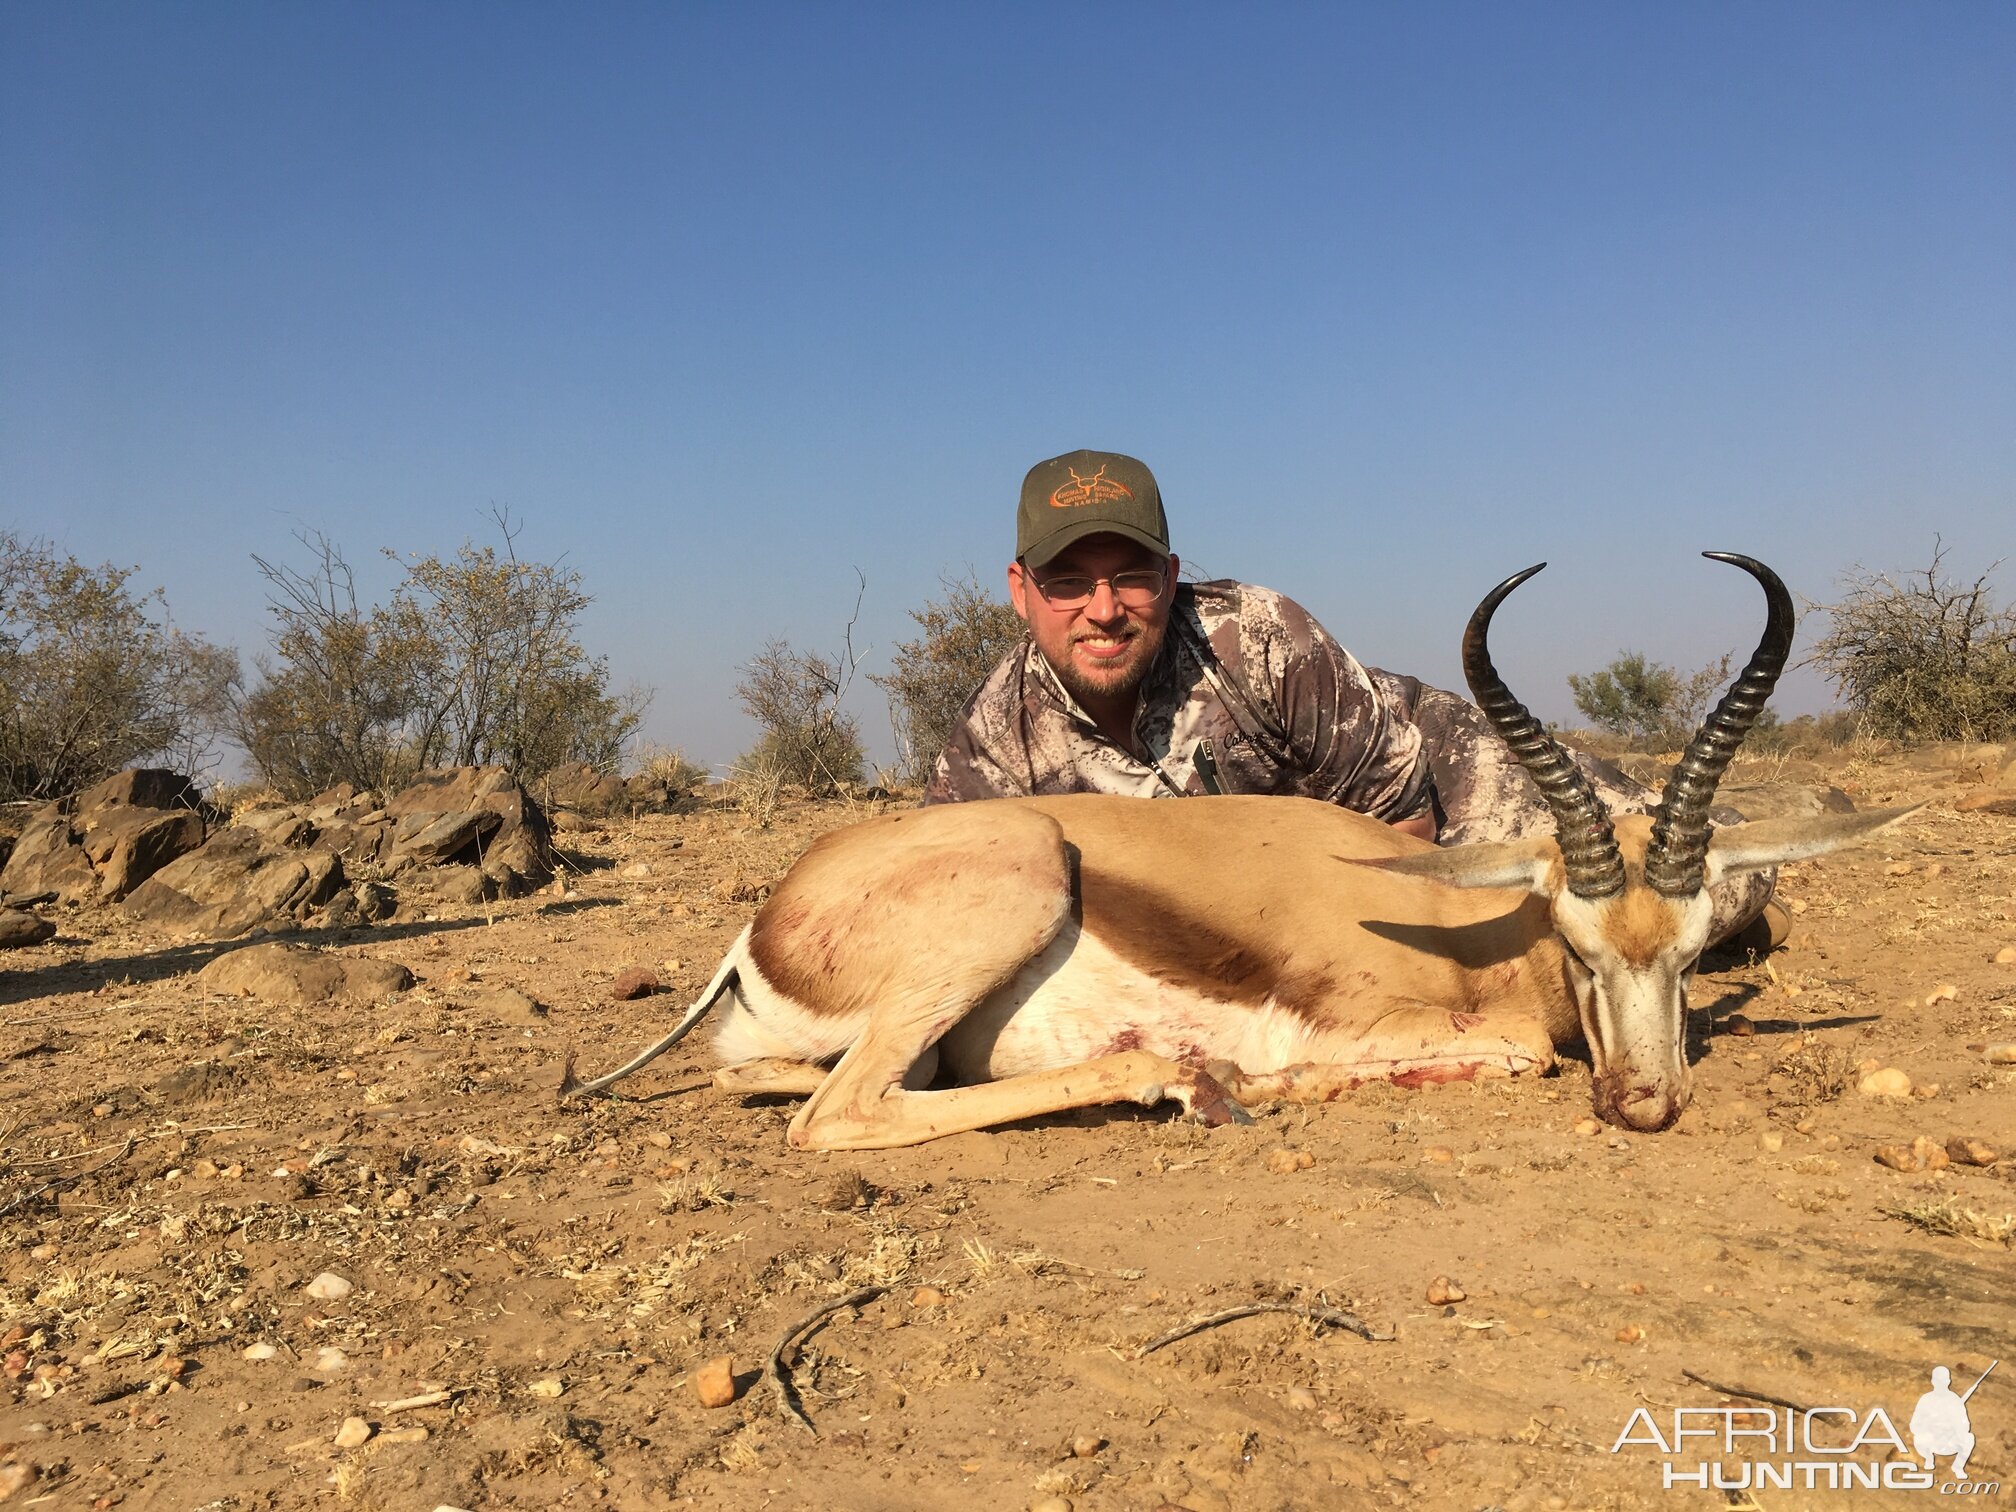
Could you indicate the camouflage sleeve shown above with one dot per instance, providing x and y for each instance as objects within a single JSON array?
[
  {"x": 975, "y": 763},
  {"x": 1357, "y": 750}
]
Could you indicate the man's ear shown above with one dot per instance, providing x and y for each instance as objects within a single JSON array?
[
  {"x": 1174, "y": 564},
  {"x": 1018, "y": 589}
]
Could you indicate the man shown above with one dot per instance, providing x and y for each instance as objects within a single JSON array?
[{"x": 1130, "y": 682}]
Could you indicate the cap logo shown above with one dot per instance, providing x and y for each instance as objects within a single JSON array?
[{"x": 1081, "y": 490}]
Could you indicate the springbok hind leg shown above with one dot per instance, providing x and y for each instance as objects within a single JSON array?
[
  {"x": 863, "y": 1105},
  {"x": 788, "y": 1078}
]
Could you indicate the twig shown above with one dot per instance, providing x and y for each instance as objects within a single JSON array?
[
  {"x": 1744, "y": 1391},
  {"x": 773, "y": 1369},
  {"x": 1346, "y": 1321},
  {"x": 60, "y": 1018},
  {"x": 61, "y": 1181},
  {"x": 425, "y": 1399}
]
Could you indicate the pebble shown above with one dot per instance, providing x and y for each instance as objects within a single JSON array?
[
  {"x": 927, "y": 1296},
  {"x": 1051, "y": 1504},
  {"x": 1587, "y": 1126},
  {"x": 1945, "y": 992},
  {"x": 1630, "y": 1333},
  {"x": 1899, "y": 868},
  {"x": 329, "y": 1359},
  {"x": 354, "y": 1433},
  {"x": 636, "y": 871},
  {"x": 414, "y": 1435},
  {"x": 1283, "y": 1162},
  {"x": 259, "y": 1351},
  {"x": 2006, "y": 956},
  {"x": 1739, "y": 1025},
  {"x": 1442, "y": 1291},
  {"x": 714, "y": 1382},
  {"x": 44, "y": 1252},
  {"x": 1770, "y": 1141},
  {"x": 633, "y": 982},
  {"x": 549, "y": 1389},
  {"x": 1973, "y": 1152},
  {"x": 329, "y": 1287},
  {"x": 1887, "y": 1082},
  {"x": 1085, "y": 1445},
  {"x": 1919, "y": 1155},
  {"x": 1439, "y": 1154},
  {"x": 1301, "y": 1399}
]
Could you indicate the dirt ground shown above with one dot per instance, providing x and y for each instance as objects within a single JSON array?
[{"x": 176, "y": 1168}]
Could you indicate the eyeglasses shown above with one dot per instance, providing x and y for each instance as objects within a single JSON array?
[{"x": 1134, "y": 590}]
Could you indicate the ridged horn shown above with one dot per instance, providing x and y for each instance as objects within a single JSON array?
[
  {"x": 1581, "y": 822},
  {"x": 1677, "y": 857}
]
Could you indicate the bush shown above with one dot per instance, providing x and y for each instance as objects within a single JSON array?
[
  {"x": 807, "y": 738},
  {"x": 1923, "y": 657},
  {"x": 1648, "y": 704},
  {"x": 966, "y": 634},
  {"x": 91, "y": 678},
  {"x": 474, "y": 662}
]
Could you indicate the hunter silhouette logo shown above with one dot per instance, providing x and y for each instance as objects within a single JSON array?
[
  {"x": 1082, "y": 490},
  {"x": 1833, "y": 1447}
]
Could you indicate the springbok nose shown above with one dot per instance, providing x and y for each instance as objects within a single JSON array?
[{"x": 1647, "y": 1109}]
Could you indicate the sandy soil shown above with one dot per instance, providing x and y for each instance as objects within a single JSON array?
[{"x": 178, "y": 1167}]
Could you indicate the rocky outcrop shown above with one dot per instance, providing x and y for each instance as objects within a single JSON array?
[{"x": 102, "y": 843}]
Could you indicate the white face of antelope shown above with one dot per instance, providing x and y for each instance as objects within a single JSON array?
[{"x": 1631, "y": 956}]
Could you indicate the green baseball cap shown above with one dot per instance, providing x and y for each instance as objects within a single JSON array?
[{"x": 1086, "y": 493}]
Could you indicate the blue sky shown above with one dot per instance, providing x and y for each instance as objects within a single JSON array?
[{"x": 726, "y": 301}]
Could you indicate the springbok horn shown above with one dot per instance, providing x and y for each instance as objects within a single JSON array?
[
  {"x": 1581, "y": 822},
  {"x": 1677, "y": 857}
]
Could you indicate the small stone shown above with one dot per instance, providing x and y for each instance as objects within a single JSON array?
[
  {"x": 259, "y": 1351},
  {"x": 1439, "y": 1155},
  {"x": 2006, "y": 956},
  {"x": 927, "y": 1296},
  {"x": 1740, "y": 1025},
  {"x": 1925, "y": 1090},
  {"x": 714, "y": 1382},
  {"x": 1930, "y": 1154},
  {"x": 1797, "y": 905},
  {"x": 1587, "y": 1126},
  {"x": 328, "y": 1360},
  {"x": 1897, "y": 1158},
  {"x": 1051, "y": 1504},
  {"x": 414, "y": 1435},
  {"x": 549, "y": 1389},
  {"x": 44, "y": 1252},
  {"x": 1770, "y": 1141},
  {"x": 1945, "y": 992},
  {"x": 329, "y": 1287},
  {"x": 1085, "y": 1445},
  {"x": 1442, "y": 1291},
  {"x": 1631, "y": 1333},
  {"x": 1887, "y": 1082},
  {"x": 633, "y": 982},
  {"x": 1284, "y": 1162},
  {"x": 636, "y": 871},
  {"x": 354, "y": 1434},
  {"x": 1301, "y": 1399},
  {"x": 1898, "y": 869},
  {"x": 1974, "y": 1152}
]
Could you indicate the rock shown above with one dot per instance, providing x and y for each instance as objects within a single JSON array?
[
  {"x": 1631, "y": 1333},
  {"x": 354, "y": 1433},
  {"x": 633, "y": 982},
  {"x": 198, "y": 1081},
  {"x": 130, "y": 845},
  {"x": 506, "y": 1002},
  {"x": 413, "y": 1435},
  {"x": 517, "y": 852},
  {"x": 927, "y": 1296},
  {"x": 2006, "y": 956},
  {"x": 435, "y": 840},
  {"x": 1086, "y": 1445},
  {"x": 1770, "y": 1141},
  {"x": 1439, "y": 1155},
  {"x": 1921, "y": 1154},
  {"x": 329, "y": 1287},
  {"x": 636, "y": 871},
  {"x": 451, "y": 884},
  {"x": 1740, "y": 1025},
  {"x": 1973, "y": 1152},
  {"x": 47, "y": 858},
  {"x": 1442, "y": 1291},
  {"x": 1886, "y": 1082},
  {"x": 1051, "y": 1504},
  {"x": 232, "y": 885},
  {"x": 578, "y": 786},
  {"x": 19, "y": 927},
  {"x": 714, "y": 1382},
  {"x": 1945, "y": 992},
  {"x": 1587, "y": 1127},
  {"x": 289, "y": 974},
  {"x": 16, "y": 1476},
  {"x": 550, "y": 1389},
  {"x": 328, "y": 1360},
  {"x": 1986, "y": 801},
  {"x": 141, "y": 787},
  {"x": 259, "y": 1352},
  {"x": 1285, "y": 1162}
]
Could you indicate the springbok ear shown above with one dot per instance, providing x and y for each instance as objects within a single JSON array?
[
  {"x": 1769, "y": 842},
  {"x": 1527, "y": 864}
]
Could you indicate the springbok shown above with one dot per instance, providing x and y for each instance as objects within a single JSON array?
[{"x": 1041, "y": 954}]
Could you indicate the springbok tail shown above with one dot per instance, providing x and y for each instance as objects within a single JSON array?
[{"x": 723, "y": 980}]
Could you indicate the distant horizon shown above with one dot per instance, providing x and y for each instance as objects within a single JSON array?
[{"x": 723, "y": 304}]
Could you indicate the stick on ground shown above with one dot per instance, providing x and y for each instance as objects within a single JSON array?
[
  {"x": 773, "y": 1369},
  {"x": 1309, "y": 1310},
  {"x": 1744, "y": 1391}
]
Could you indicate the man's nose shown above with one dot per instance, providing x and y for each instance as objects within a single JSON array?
[{"x": 1104, "y": 605}]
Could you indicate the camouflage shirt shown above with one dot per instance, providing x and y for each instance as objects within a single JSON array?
[{"x": 1248, "y": 694}]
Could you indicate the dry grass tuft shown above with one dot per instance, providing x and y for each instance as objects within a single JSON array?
[{"x": 1944, "y": 1215}]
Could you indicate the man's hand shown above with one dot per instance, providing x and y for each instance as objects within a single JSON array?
[{"x": 1421, "y": 826}]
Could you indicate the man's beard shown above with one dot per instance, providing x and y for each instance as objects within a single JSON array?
[{"x": 1117, "y": 682}]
